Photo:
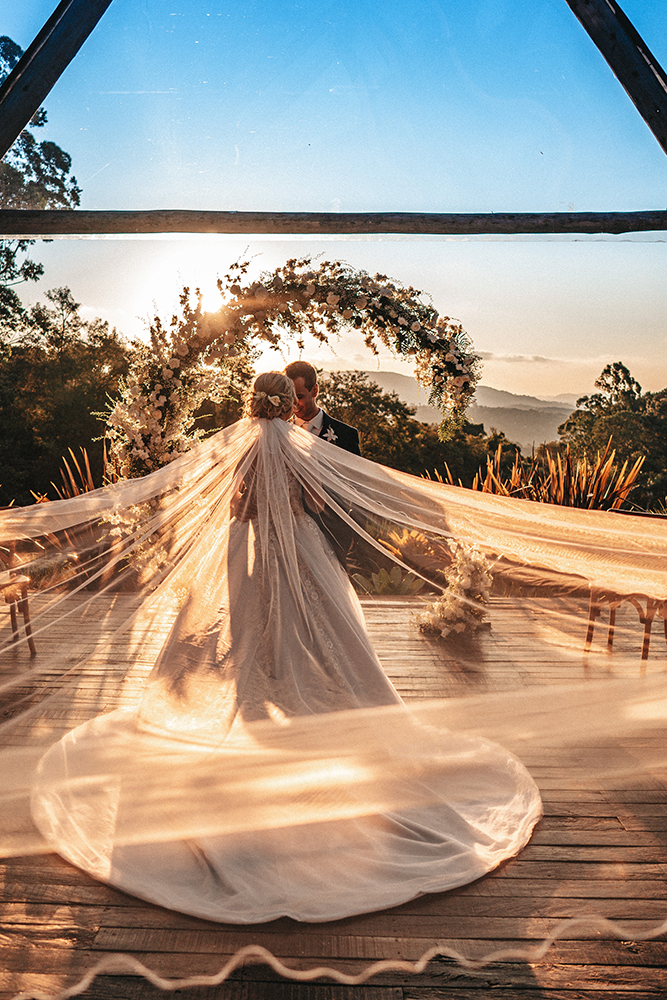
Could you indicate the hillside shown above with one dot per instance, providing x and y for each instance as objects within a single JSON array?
[
  {"x": 527, "y": 420},
  {"x": 526, "y": 427}
]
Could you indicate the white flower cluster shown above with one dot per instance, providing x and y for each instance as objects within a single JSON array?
[
  {"x": 152, "y": 422},
  {"x": 461, "y": 607},
  {"x": 447, "y": 366},
  {"x": 130, "y": 532}
]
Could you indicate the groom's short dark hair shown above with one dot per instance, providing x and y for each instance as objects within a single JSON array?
[{"x": 304, "y": 370}]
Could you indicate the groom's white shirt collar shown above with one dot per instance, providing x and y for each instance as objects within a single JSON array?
[{"x": 314, "y": 425}]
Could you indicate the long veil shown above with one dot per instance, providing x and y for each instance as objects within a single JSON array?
[{"x": 144, "y": 601}]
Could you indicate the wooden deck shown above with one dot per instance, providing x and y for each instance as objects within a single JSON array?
[{"x": 598, "y": 850}]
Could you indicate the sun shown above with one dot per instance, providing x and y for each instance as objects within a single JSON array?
[{"x": 175, "y": 264}]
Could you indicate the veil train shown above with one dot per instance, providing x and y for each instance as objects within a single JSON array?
[{"x": 269, "y": 767}]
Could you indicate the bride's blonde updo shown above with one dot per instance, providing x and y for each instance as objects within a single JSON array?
[{"x": 271, "y": 396}]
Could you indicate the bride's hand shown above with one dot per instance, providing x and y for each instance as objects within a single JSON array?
[
  {"x": 243, "y": 506},
  {"x": 234, "y": 502}
]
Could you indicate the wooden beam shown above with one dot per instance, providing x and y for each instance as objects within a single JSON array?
[
  {"x": 637, "y": 70},
  {"x": 16, "y": 223},
  {"x": 24, "y": 89}
]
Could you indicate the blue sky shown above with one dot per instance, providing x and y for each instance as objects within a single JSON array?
[{"x": 484, "y": 105}]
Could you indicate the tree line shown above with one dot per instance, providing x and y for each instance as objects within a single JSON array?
[{"x": 59, "y": 373}]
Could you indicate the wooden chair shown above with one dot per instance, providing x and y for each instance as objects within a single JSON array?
[
  {"x": 647, "y": 608},
  {"x": 14, "y": 587}
]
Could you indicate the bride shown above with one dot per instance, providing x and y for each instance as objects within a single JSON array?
[{"x": 267, "y": 656}]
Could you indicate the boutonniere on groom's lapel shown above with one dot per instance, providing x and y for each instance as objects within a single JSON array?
[{"x": 330, "y": 435}]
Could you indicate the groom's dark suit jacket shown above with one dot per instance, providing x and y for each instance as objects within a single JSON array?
[
  {"x": 337, "y": 531},
  {"x": 340, "y": 434}
]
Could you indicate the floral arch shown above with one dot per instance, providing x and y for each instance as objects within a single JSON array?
[{"x": 203, "y": 355}]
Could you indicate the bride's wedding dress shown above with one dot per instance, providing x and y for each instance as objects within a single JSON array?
[{"x": 267, "y": 631}]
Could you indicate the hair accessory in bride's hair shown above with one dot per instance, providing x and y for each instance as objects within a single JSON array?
[
  {"x": 271, "y": 396},
  {"x": 276, "y": 400}
]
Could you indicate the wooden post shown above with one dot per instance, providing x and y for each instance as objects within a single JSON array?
[
  {"x": 24, "y": 89},
  {"x": 29, "y": 223},
  {"x": 637, "y": 70}
]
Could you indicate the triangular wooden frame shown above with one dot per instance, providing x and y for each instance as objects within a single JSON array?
[{"x": 25, "y": 88}]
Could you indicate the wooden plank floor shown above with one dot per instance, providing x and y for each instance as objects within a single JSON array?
[{"x": 598, "y": 850}]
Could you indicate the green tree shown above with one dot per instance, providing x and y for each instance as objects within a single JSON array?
[
  {"x": 615, "y": 411},
  {"x": 635, "y": 422},
  {"x": 60, "y": 371},
  {"x": 33, "y": 175}
]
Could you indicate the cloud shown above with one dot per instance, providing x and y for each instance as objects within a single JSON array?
[
  {"x": 538, "y": 359},
  {"x": 524, "y": 358}
]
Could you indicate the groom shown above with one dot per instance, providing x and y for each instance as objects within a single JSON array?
[{"x": 311, "y": 417}]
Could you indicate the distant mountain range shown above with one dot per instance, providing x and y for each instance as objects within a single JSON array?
[{"x": 527, "y": 420}]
